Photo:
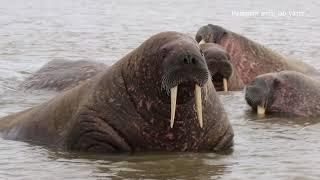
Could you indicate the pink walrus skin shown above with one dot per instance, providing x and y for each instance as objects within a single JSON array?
[{"x": 250, "y": 58}]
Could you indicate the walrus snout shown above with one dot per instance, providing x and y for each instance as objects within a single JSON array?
[
  {"x": 191, "y": 72},
  {"x": 256, "y": 95},
  {"x": 184, "y": 68}
]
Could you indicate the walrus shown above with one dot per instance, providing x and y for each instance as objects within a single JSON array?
[
  {"x": 224, "y": 76},
  {"x": 156, "y": 98},
  {"x": 60, "y": 75},
  {"x": 249, "y": 58},
  {"x": 286, "y": 92}
]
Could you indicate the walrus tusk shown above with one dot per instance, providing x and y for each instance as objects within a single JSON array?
[
  {"x": 202, "y": 42},
  {"x": 199, "y": 104},
  {"x": 225, "y": 85},
  {"x": 173, "y": 92},
  {"x": 261, "y": 110}
]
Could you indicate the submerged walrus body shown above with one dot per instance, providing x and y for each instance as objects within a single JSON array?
[
  {"x": 61, "y": 75},
  {"x": 249, "y": 58},
  {"x": 286, "y": 92},
  {"x": 127, "y": 107}
]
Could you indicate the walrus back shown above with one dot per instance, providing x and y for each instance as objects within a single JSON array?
[
  {"x": 62, "y": 75},
  {"x": 48, "y": 122},
  {"x": 252, "y": 59},
  {"x": 299, "y": 66}
]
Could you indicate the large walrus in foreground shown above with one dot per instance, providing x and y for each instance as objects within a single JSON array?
[
  {"x": 249, "y": 58},
  {"x": 61, "y": 75},
  {"x": 286, "y": 92},
  {"x": 157, "y": 98}
]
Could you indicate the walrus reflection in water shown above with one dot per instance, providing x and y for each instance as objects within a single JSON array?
[
  {"x": 127, "y": 108},
  {"x": 224, "y": 76},
  {"x": 249, "y": 58},
  {"x": 60, "y": 75},
  {"x": 286, "y": 92}
]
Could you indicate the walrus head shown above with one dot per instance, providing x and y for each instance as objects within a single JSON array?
[
  {"x": 168, "y": 82},
  {"x": 178, "y": 69},
  {"x": 258, "y": 93},
  {"x": 218, "y": 62},
  {"x": 210, "y": 34},
  {"x": 280, "y": 93}
]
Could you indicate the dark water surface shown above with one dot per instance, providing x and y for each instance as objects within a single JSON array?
[{"x": 36, "y": 31}]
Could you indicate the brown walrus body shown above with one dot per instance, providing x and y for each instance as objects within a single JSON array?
[
  {"x": 249, "y": 58},
  {"x": 287, "y": 92},
  {"x": 127, "y": 108},
  {"x": 62, "y": 75},
  {"x": 220, "y": 66}
]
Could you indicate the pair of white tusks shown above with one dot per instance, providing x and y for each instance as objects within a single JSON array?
[
  {"x": 225, "y": 82},
  {"x": 261, "y": 110},
  {"x": 174, "y": 92}
]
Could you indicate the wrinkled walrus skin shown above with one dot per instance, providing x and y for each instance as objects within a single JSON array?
[
  {"x": 60, "y": 75},
  {"x": 126, "y": 108},
  {"x": 250, "y": 58}
]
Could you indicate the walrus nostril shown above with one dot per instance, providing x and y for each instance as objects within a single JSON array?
[
  {"x": 193, "y": 60},
  {"x": 186, "y": 60}
]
